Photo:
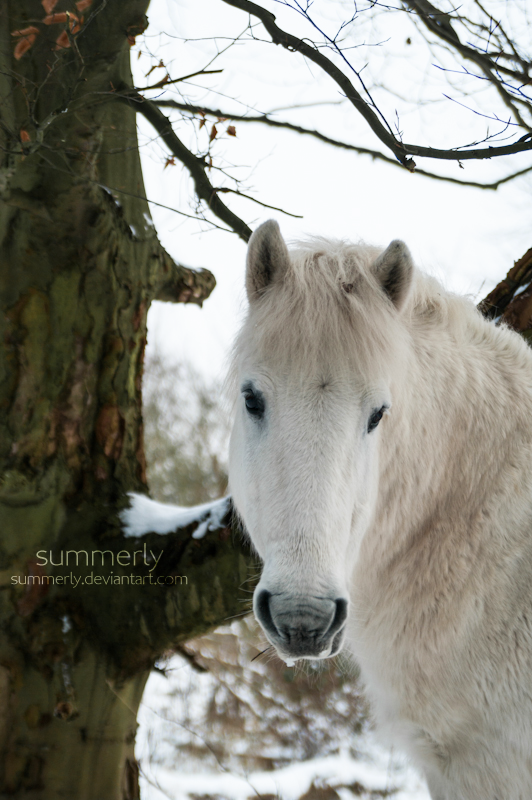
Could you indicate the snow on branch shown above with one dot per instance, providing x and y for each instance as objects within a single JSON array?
[{"x": 148, "y": 516}]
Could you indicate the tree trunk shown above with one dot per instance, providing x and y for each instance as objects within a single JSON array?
[{"x": 80, "y": 264}]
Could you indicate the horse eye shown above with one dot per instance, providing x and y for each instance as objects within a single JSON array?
[
  {"x": 254, "y": 404},
  {"x": 375, "y": 419}
]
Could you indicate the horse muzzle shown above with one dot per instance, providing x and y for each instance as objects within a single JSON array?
[{"x": 302, "y": 627}]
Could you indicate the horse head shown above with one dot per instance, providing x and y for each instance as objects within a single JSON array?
[{"x": 313, "y": 372}]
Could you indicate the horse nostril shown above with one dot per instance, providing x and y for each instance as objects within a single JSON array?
[
  {"x": 263, "y": 613},
  {"x": 340, "y": 616}
]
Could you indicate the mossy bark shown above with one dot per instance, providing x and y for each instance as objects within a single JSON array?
[{"x": 80, "y": 264}]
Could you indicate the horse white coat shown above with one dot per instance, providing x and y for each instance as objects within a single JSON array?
[{"x": 410, "y": 540}]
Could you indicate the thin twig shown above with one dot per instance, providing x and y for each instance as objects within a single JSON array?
[
  {"x": 403, "y": 152},
  {"x": 164, "y": 82},
  {"x": 439, "y": 24},
  {"x": 195, "y": 165},
  {"x": 226, "y": 190},
  {"x": 265, "y": 119}
]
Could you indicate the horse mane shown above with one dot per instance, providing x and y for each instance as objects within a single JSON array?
[{"x": 330, "y": 302}]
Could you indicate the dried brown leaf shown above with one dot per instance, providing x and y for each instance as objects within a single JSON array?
[
  {"x": 24, "y": 45},
  {"x": 56, "y": 18},
  {"x": 25, "y": 31},
  {"x": 62, "y": 41},
  {"x": 155, "y": 66}
]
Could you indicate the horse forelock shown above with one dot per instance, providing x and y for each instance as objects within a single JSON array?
[{"x": 328, "y": 306}]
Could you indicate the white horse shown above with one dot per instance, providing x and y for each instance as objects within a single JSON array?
[{"x": 381, "y": 462}]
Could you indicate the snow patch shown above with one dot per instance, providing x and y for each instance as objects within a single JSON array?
[
  {"x": 375, "y": 766},
  {"x": 522, "y": 289},
  {"x": 111, "y": 195},
  {"x": 149, "y": 516},
  {"x": 288, "y": 783}
]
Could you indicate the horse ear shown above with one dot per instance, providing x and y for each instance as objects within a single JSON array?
[
  {"x": 394, "y": 270},
  {"x": 267, "y": 258}
]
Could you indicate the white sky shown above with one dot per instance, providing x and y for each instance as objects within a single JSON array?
[{"x": 467, "y": 237}]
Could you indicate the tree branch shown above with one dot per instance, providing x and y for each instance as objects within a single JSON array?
[
  {"x": 192, "y": 570},
  {"x": 162, "y": 84},
  {"x": 181, "y": 284},
  {"x": 507, "y": 299},
  {"x": 228, "y": 190},
  {"x": 195, "y": 165},
  {"x": 294, "y": 44},
  {"x": 265, "y": 119},
  {"x": 439, "y": 23},
  {"x": 401, "y": 151}
]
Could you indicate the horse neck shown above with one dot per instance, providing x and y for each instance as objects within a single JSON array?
[{"x": 463, "y": 414}]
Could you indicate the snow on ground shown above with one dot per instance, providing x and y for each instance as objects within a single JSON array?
[
  {"x": 376, "y": 768},
  {"x": 288, "y": 783}
]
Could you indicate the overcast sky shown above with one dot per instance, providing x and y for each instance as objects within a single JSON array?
[{"x": 467, "y": 237}]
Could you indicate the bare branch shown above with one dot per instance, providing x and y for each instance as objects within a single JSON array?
[
  {"x": 402, "y": 152},
  {"x": 195, "y": 165},
  {"x": 227, "y": 190},
  {"x": 294, "y": 44},
  {"x": 439, "y": 23},
  {"x": 501, "y": 300},
  {"x": 265, "y": 119},
  {"x": 180, "y": 284},
  {"x": 164, "y": 82}
]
